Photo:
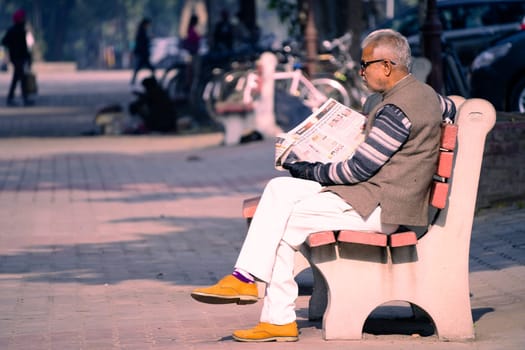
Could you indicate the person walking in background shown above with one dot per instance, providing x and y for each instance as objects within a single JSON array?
[
  {"x": 192, "y": 41},
  {"x": 141, "y": 52},
  {"x": 223, "y": 33},
  {"x": 191, "y": 44},
  {"x": 15, "y": 41}
]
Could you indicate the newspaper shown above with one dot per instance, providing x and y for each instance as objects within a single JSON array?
[{"x": 330, "y": 134}]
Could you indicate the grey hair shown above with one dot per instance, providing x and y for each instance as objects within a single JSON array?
[{"x": 394, "y": 42}]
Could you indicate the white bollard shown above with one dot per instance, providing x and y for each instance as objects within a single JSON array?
[{"x": 265, "y": 105}]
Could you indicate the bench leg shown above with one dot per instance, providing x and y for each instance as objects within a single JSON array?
[
  {"x": 319, "y": 299},
  {"x": 456, "y": 325},
  {"x": 334, "y": 330},
  {"x": 354, "y": 291},
  {"x": 233, "y": 129},
  {"x": 343, "y": 323}
]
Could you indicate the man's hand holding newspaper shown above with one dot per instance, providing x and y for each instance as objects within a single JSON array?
[{"x": 332, "y": 133}]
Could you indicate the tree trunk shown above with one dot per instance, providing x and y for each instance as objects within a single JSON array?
[
  {"x": 431, "y": 33},
  {"x": 247, "y": 14},
  {"x": 311, "y": 40},
  {"x": 355, "y": 25}
]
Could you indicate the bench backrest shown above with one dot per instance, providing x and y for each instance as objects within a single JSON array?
[
  {"x": 475, "y": 118},
  {"x": 440, "y": 185}
]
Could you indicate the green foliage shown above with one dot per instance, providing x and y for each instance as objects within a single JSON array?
[
  {"x": 289, "y": 14},
  {"x": 286, "y": 9},
  {"x": 80, "y": 29}
]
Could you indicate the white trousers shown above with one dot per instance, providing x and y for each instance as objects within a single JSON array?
[{"x": 289, "y": 210}]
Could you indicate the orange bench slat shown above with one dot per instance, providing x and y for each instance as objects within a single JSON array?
[
  {"x": 445, "y": 162},
  {"x": 449, "y": 133},
  {"x": 249, "y": 206},
  {"x": 439, "y": 194},
  {"x": 363, "y": 237},
  {"x": 403, "y": 239},
  {"x": 225, "y": 107},
  {"x": 320, "y": 238}
]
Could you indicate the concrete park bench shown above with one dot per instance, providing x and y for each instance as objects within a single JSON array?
[
  {"x": 234, "y": 117},
  {"x": 356, "y": 272}
]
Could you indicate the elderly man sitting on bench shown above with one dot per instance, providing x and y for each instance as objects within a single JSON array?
[{"x": 386, "y": 183}]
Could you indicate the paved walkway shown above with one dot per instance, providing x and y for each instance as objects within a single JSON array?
[{"x": 103, "y": 238}]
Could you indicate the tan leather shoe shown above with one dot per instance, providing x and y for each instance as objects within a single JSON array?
[
  {"x": 268, "y": 332},
  {"x": 227, "y": 290}
]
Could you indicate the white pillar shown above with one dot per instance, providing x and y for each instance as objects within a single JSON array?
[{"x": 265, "y": 105}]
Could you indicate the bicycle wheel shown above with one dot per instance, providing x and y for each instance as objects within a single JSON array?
[
  {"x": 177, "y": 88},
  {"x": 170, "y": 73},
  {"x": 211, "y": 94},
  {"x": 221, "y": 87},
  {"x": 332, "y": 89}
]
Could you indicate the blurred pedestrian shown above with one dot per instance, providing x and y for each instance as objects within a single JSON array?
[
  {"x": 246, "y": 39},
  {"x": 223, "y": 33},
  {"x": 193, "y": 38},
  {"x": 141, "y": 51},
  {"x": 15, "y": 41},
  {"x": 191, "y": 44}
]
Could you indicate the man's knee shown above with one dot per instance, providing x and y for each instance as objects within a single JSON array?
[
  {"x": 290, "y": 186},
  {"x": 287, "y": 185},
  {"x": 279, "y": 181}
]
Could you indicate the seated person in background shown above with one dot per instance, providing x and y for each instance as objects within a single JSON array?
[{"x": 386, "y": 183}]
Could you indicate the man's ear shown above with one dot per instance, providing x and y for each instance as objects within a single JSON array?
[{"x": 387, "y": 68}]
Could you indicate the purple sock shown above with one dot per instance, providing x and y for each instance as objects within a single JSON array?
[{"x": 242, "y": 277}]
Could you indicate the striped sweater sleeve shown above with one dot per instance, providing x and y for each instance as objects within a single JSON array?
[
  {"x": 448, "y": 109},
  {"x": 390, "y": 130}
]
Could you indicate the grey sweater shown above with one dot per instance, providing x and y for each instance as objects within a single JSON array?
[{"x": 402, "y": 185}]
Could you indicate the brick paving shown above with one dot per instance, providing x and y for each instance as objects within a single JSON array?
[{"x": 103, "y": 238}]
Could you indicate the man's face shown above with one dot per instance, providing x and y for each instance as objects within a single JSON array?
[{"x": 373, "y": 69}]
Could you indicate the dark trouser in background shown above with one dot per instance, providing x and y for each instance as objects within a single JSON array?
[
  {"x": 18, "y": 76},
  {"x": 141, "y": 62}
]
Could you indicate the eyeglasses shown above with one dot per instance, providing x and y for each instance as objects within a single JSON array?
[{"x": 365, "y": 64}]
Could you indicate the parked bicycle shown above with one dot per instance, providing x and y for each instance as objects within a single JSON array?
[
  {"x": 338, "y": 65},
  {"x": 291, "y": 59},
  {"x": 339, "y": 74},
  {"x": 296, "y": 96},
  {"x": 454, "y": 74},
  {"x": 289, "y": 78},
  {"x": 189, "y": 94}
]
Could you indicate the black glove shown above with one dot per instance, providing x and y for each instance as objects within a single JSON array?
[{"x": 302, "y": 170}]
